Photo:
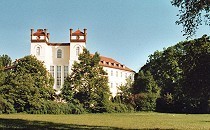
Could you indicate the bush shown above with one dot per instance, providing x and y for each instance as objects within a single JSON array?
[
  {"x": 165, "y": 103},
  {"x": 145, "y": 102},
  {"x": 52, "y": 107},
  {"x": 116, "y": 107}
]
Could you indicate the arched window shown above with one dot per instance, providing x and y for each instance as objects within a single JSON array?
[
  {"x": 38, "y": 50},
  {"x": 77, "y": 51},
  {"x": 59, "y": 53}
]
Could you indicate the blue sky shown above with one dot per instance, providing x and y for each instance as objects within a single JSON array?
[{"x": 125, "y": 30}]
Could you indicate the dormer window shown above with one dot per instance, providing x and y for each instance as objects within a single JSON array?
[
  {"x": 59, "y": 53},
  {"x": 38, "y": 50}
]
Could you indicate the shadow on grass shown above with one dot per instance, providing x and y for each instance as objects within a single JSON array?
[
  {"x": 43, "y": 125},
  {"x": 14, "y": 124}
]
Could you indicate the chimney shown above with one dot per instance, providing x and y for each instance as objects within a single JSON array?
[
  {"x": 71, "y": 30},
  {"x": 32, "y": 31},
  {"x": 48, "y": 36},
  {"x": 45, "y": 32},
  {"x": 85, "y": 33}
]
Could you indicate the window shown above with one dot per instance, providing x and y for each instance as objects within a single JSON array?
[
  {"x": 116, "y": 73},
  {"x": 52, "y": 70},
  {"x": 121, "y": 74},
  {"x": 125, "y": 75},
  {"x": 58, "y": 76},
  {"x": 77, "y": 51},
  {"x": 66, "y": 71},
  {"x": 59, "y": 53},
  {"x": 111, "y": 85},
  {"x": 38, "y": 49},
  {"x": 111, "y": 72}
]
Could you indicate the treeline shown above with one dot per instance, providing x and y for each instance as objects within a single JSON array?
[
  {"x": 176, "y": 80},
  {"x": 26, "y": 86},
  {"x": 180, "y": 77}
]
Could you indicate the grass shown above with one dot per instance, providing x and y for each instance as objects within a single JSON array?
[{"x": 140, "y": 120}]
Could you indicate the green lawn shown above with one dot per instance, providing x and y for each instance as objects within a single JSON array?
[{"x": 106, "y": 121}]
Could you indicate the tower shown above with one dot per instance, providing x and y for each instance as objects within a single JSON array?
[
  {"x": 77, "y": 44},
  {"x": 39, "y": 40}
]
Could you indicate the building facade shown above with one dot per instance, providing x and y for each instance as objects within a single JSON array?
[{"x": 58, "y": 58}]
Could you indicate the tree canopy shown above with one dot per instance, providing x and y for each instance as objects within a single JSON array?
[
  {"x": 26, "y": 86},
  {"x": 87, "y": 83},
  {"x": 182, "y": 73},
  {"x": 192, "y": 14},
  {"x": 5, "y": 61}
]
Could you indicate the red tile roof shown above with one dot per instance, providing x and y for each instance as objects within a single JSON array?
[
  {"x": 39, "y": 32},
  {"x": 78, "y": 32},
  {"x": 111, "y": 63}
]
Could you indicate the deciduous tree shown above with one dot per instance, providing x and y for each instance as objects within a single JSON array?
[
  {"x": 87, "y": 83},
  {"x": 192, "y": 13}
]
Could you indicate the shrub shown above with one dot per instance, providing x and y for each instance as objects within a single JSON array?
[
  {"x": 52, "y": 107},
  {"x": 145, "y": 101},
  {"x": 165, "y": 103}
]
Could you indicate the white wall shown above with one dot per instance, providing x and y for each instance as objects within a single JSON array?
[
  {"x": 117, "y": 77},
  {"x": 73, "y": 46}
]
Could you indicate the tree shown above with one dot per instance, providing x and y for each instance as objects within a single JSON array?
[
  {"x": 34, "y": 67},
  {"x": 196, "y": 69},
  {"x": 27, "y": 85},
  {"x": 191, "y": 13},
  {"x": 146, "y": 92},
  {"x": 182, "y": 73},
  {"x": 87, "y": 83},
  {"x": 125, "y": 91},
  {"x": 5, "y": 60}
]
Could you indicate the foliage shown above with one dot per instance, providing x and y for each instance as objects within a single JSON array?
[
  {"x": 146, "y": 92},
  {"x": 5, "y": 107},
  {"x": 52, "y": 107},
  {"x": 87, "y": 84},
  {"x": 125, "y": 92},
  {"x": 191, "y": 13},
  {"x": 165, "y": 103},
  {"x": 181, "y": 72},
  {"x": 196, "y": 75},
  {"x": 5, "y": 60},
  {"x": 42, "y": 79},
  {"x": 27, "y": 85}
]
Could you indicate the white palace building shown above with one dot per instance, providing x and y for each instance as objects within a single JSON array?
[{"x": 58, "y": 58}]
